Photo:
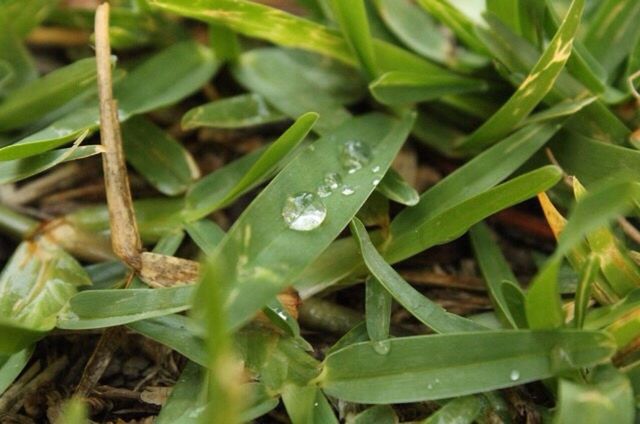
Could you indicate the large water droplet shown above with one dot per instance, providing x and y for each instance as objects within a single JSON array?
[
  {"x": 330, "y": 182},
  {"x": 515, "y": 375},
  {"x": 303, "y": 211},
  {"x": 354, "y": 155},
  {"x": 382, "y": 347}
]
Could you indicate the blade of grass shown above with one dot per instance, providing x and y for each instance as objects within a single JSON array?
[
  {"x": 534, "y": 88},
  {"x": 458, "y": 364}
]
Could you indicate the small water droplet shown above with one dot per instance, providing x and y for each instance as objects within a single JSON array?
[
  {"x": 376, "y": 181},
  {"x": 429, "y": 386},
  {"x": 354, "y": 155},
  {"x": 382, "y": 347},
  {"x": 303, "y": 211},
  {"x": 347, "y": 190},
  {"x": 376, "y": 168},
  {"x": 331, "y": 182},
  {"x": 315, "y": 404},
  {"x": 515, "y": 375},
  {"x": 437, "y": 380}
]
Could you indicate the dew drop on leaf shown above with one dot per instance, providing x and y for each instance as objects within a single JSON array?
[
  {"x": 515, "y": 375},
  {"x": 303, "y": 211},
  {"x": 382, "y": 347},
  {"x": 347, "y": 190},
  {"x": 330, "y": 182},
  {"x": 354, "y": 155}
]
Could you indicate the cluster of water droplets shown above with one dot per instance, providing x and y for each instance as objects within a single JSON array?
[{"x": 305, "y": 211}]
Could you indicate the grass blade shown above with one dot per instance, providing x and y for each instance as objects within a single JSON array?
[{"x": 457, "y": 364}]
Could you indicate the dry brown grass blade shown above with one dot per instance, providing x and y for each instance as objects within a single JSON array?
[
  {"x": 125, "y": 238},
  {"x": 164, "y": 271}
]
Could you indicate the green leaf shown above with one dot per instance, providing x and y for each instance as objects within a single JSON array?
[
  {"x": 495, "y": 270},
  {"x": 18, "y": 67},
  {"x": 159, "y": 158},
  {"x": 378, "y": 310},
  {"x": 55, "y": 90},
  {"x": 583, "y": 291},
  {"x": 379, "y": 414},
  {"x": 35, "y": 284},
  {"x": 284, "y": 78},
  {"x": 186, "y": 402},
  {"x": 273, "y": 156},
  {"x": 149, "y": 86},
  {"x": 352, "y": 20},
  {"x": 25, "y": 14},
  {"x": 542, "y": 302},
  {"x": 534, "y": 88},
  {"x": 107, "y": 308},
  {"x": 15, "y": 170},
  {"x": 395, "y": 188},
  {"x": 457, "y": 364},
  {"x": 245, "y": 110},
  {"x": 398, "y": 87},
  {"x": 428, "y": 312},
  {"x": 11, "y": 366},
  {"x": 559, "y": 110},
  {"x": 612, "y": 32},
  {"x": 460, "y": 24},
  {"x": 173, "y": 331},
  {"x": 206, "y": 234},
  {"x": 607, "y": 397},
  {"x": 428, "y": 231},
  {"x": 272, "y": 254},
  {"x": 419, "y": 31},
  {"x": 463, "y": 410},
  {"x": 307, "y": 405}
]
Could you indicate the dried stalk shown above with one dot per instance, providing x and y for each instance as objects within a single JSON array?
[{"x": 125, "y": 238}]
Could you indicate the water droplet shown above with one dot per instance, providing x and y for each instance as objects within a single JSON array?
[
  {"x": 376, "y": 181},
  {"x": 515, "y": 375},
  {"x": 437, "y": 380},
  {"x": 429, "y": 386},
  {"x": 347, "y": 190},
  {"x": 331, "y": 182},
  {"x": 382, "y": 347},
  {"x": 354, "y": 155},
  {"x": 303, "y": 211},
  {"x": 315, "y": 404},
  {"x": 376, "y": 168}
]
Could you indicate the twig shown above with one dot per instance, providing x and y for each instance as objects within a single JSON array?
[
  {"x": 125, "y": 238},
  {"x": 107, "y": 345}
]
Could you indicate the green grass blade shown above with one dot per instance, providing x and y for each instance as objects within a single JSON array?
[
  {"x": 307, "y": 405},
  {"x": 429, "y": 230},
  {"x": 495, "y": 270},
  {"x": 273, "y": 254},
  {"x": 379, "y": 414},
  {"x": 457, "y": 364},
  {"x": 206, "y": 234},
  {"x": 242, "y": 111},
  {"x": 273, "y": 156},
  {"x": 607, "y": 397},
  {"x": 73, "y": 411},
  {"x": 19, "y": 67},
  {"x": 173, "y": 331},
  {"x": 543, "y": 304},
  {"x": 583, "y": 291},
  {"x": 34, "y": 100},
  {"x": 377, "y": 310},
  {"x": 395, "y": 188},
  {"x": 352, "y": 19},
  {"x": 612, "y": 32},
  {"x": 159, "y": 158},
  {"x": 398, "y": 88},
  {"x": 428, "y": 312},
  {"x": 460, "y": 24},
  {"x": 12, "y": 171},
  {"x": 285, "y": 78},
  {"x": 463, "y": 410},
  {"x": 149, "y": 86},
  {"x": 11, "y": 366},
  {"x": 107, "y": 308},
  {"x": 534, "y": 88},
  {"x": 186, "y": 402}
]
